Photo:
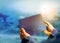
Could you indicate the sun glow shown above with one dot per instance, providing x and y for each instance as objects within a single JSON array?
[{"x": 48, "y": 10}]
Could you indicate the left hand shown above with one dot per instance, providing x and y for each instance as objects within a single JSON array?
[{"x": 23, "y": 33}]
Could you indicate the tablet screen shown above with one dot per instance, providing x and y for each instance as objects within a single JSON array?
[{"x": 33, "y": 24}]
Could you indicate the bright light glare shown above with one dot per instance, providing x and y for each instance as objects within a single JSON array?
[{"x": 48, "y": 10}]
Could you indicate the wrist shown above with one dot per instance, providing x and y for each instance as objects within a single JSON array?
[{"x": 26, "y": 35}]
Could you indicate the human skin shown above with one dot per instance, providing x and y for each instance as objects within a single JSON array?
[
  {"x": 49, "y": 28},
  {"x": 23, "y": 33}
]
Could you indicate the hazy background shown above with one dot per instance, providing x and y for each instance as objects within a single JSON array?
[{"x": 13, "y": 10}]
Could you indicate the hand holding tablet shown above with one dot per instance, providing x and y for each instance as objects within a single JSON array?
[{"x": 33, "y": 24}]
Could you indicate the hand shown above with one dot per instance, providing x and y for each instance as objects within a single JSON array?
[
  {"x": 23, "y": 33},
  {"x": 49, "y": 26}
]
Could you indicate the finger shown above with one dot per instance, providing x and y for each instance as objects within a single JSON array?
[{"x": 23, "y": 30}]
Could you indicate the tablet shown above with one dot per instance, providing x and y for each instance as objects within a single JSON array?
[{"x": 33, "y": 24}]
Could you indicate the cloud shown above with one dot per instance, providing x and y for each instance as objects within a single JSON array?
[
  {"x": 21, "y": 17},
  {"x": 26, "y": 6}
]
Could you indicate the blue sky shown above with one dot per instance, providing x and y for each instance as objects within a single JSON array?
[
  {"x": 22, "y": 8},
  {"x": 18, "y": 9}
]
